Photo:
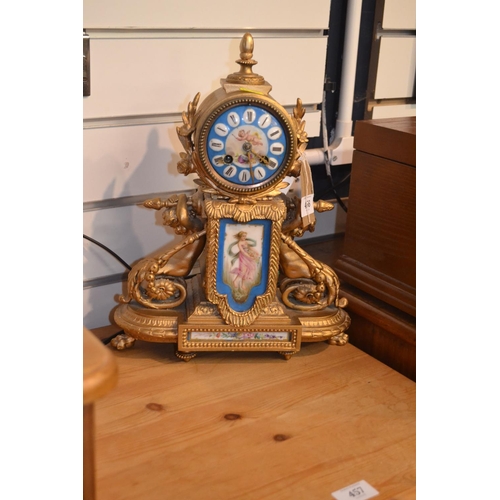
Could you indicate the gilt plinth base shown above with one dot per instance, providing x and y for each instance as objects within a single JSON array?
[{"x": 196, "y": 325}]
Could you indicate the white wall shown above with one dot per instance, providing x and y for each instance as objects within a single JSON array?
[
  {"x": 395, "y": 52},
  {"x": 148, "y": 59}
]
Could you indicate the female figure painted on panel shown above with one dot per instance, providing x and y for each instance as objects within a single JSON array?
[{"x": 246, "y": 270}]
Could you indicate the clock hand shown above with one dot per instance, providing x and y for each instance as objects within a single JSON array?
[
  {"x": 251, "y": 166},
  {"x": 263, "y": 159}
]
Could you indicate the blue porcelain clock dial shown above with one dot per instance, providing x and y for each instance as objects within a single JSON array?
[{"x": 247, "y": 146}]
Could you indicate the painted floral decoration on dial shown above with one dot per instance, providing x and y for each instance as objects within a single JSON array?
[{"x": 246, "y": 145}]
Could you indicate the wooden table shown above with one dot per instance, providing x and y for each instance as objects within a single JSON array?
[{"x": 252, "y": 426}]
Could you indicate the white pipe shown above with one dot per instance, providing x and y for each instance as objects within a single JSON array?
[
  {"x": 343, "y": 125},
  {"x": 315, "y": 156}
]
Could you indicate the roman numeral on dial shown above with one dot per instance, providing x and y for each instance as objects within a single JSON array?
[
  {"x": 260, "y": 173},
  {"x": 264, "y": 121},
  {"x": 273, "y": 163},
  {"x": 244, "y": 176},
  {"x": 229, "y": 171},
  {"x": 221, "y": 129},
  {"x": 216, "y": 144},
  {"x": 249, "y": 115},
  {"x": 277, "y": 148},
  {"x": 233, "y": 119},
  {"x": 274, "y": 133}
]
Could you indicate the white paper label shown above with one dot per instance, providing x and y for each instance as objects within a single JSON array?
[
  {"x": 357, "y": 491},
  {"x": 307, "y": 205}
]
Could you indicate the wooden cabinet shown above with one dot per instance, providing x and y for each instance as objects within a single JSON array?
[{"x": 378, "y": 267}]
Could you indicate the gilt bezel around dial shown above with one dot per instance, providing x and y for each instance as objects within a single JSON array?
[{"x": 246, "y": 145}]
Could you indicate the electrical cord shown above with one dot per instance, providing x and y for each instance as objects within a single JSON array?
[
  {"x": 339, "y": 199},
  {"x": 333, "y": 189},
  {"x": 345, "y": 178},
  {"x": 117, "y": 257},
  {"x": 335, "y": 193},
  {"x": 104, "y": 247},
  {"x": 335, "y": 186},
  {"x": 328, "y": 152}
]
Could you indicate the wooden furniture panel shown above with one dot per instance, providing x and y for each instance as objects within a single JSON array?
[
  {"x": 380, "y": 231},
  {"x": 379, "y": 259},
  {"x": 252, "y": 426},
  {"x": 381, "y": 222},
  {"x": 385, "y": 332},
  {"x": 391, "y": 138}
]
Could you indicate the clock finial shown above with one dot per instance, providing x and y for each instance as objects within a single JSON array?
[
  {"x": 246, "y": 49},
  {"x": 245, "y": 74}
]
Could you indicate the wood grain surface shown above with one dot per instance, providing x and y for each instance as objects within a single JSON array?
[
  {"x": 380, "y": 241},
  {"x": 100, "y": 371},
  {"x": 377, "y": 268},
  {"x": 392, "y": 138},
  {"x": 100, "y": 374},
  {"x": 253, "y": 426}
]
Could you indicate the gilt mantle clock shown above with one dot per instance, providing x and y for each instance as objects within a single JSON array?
[{"x": 256, "y": 288}]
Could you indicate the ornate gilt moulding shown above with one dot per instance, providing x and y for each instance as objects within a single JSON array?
[{"x": 237, "y": 281}]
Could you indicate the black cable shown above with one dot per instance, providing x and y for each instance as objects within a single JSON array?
[
  {"x": 334, "y": 189},
  {"x": 339, "y": 200},
  {"x": 335, "y": 186},
  {"x": 108, "y": 250},
  {"x": 345, "y": 178},
  {"x": 106, "y": 341}
]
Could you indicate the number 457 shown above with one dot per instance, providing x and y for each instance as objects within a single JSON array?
[{"x": 356, "y": 492}]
